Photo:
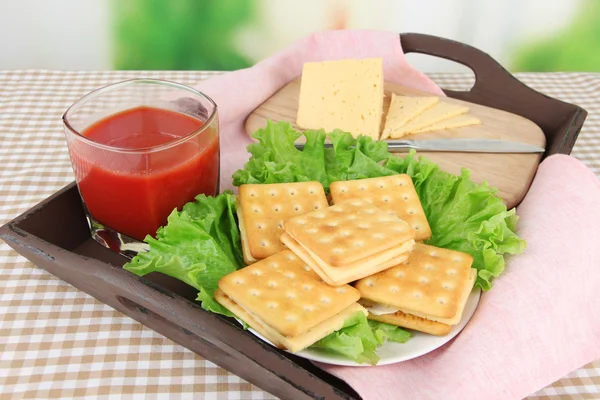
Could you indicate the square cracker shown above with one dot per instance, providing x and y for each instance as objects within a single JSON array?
[
  {"x": 434, "y": 284},
  {"x": 348, "y": 232},
  {"x": 395, "y": 194},
  {"x": 287, "y": 295},
  {"x": 336, "y": 276},
  {"x": 296, "y": 343},
  {"x": 263, "y": 208}
]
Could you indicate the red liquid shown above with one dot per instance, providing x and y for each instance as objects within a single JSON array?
[{"x": 135, "y": 193}]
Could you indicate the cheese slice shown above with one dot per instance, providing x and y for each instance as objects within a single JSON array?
[
  {"x": 379, "y": 309},
  {"x": 343, "y": 94},
  {"x": 441, "y": 111},
  {"x": 403, "y": 109},
  {"x": 455, "y": 122}
]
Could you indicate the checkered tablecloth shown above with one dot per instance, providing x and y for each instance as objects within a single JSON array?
[{"x": 58, "y": 342}]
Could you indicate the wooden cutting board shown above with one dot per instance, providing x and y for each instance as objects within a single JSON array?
[{"x": 511, "y": 174}]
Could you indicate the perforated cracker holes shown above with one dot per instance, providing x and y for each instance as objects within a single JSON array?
[
  {"x": 395, "y": 194},
  {"x": 287, "y": 295},
  {"x": 264, "y": 208},
  {"x": 348, "y": 231},
  {"x": 432, "y": 284}
]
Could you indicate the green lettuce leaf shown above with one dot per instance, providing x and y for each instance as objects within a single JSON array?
[
  {"x": 384, "y": 332},
  {"x": 356, "y": 341},
  {"x": 198, "y": 246},
  {"x": 276, "y": 160},
  {"x": 359, "y": 339},
  {"x": 463, "y": 215},
  {"x": 350, "y": 158}
]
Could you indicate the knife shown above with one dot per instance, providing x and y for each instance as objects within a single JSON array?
[{"x": 458, "y": 145}]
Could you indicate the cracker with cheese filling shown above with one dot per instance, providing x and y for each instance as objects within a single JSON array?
[
  {"x": 349, "y": 241},
  {"x": 285, "y": 301},
  {"x": 427, "y": 292}
]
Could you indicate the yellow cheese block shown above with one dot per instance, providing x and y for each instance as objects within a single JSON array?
[
  {"x": 441, "y": 111},
  {"x": 403, "y": 109},
  {"x": 344, "y": 94},
  {"x": 455, "y": 122}
]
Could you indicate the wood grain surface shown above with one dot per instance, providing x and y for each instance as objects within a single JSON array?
[{"x": 511, "y": 174}]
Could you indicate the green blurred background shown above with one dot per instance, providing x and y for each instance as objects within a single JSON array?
[
  {"x": 180, "y": 34},
  {"x": 201, "y": 35},
  {"x": 523, "y": 35},
  {"x": 574, "y": 48}
]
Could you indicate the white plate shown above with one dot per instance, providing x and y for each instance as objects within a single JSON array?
[{"x": 390, "y": 352}]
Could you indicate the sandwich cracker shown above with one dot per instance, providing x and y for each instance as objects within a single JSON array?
[
  {"x": 413, "y": 322},
  {"x": 336, "y": 276},
  {"x": 434, "y": 284},
  {"x": 296, "y": 343},
  {"x": 348, "y": 232},
  {"x": 285, "y": 294},
  {"x": 395, "y": 194},
  {"x": 263, "y": 208}
]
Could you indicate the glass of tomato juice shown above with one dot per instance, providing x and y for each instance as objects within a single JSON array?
[{"x": 140, "y": 149}]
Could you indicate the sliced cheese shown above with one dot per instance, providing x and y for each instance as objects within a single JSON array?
[
  {"x": 403, "y": 109},
  {"x": 441, "y": 111},
  {"x": 380, "y": 309},
  {"x": 455, "y": 122},
  {"x": 344, "y": 94}
]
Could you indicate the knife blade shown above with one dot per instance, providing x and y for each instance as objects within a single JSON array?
[{"x": 457, "y": 145}]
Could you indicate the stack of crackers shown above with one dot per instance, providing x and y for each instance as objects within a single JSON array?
[
  {"x": 314, "y": 261},
  {"x": 348, "y": 95}
]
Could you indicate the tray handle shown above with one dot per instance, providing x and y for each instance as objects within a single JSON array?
[{"x": 497, "y": 88}]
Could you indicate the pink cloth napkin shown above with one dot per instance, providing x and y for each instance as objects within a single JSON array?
[
  {"x": 238, "y": 93},
  {"x": 540, "y": 321}
]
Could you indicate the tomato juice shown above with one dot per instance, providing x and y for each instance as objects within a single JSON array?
[{"x": 149, "y": 162}]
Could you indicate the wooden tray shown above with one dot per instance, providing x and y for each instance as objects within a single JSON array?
[{"x": 54, "y": 235}]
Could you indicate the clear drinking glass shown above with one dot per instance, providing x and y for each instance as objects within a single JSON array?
[{"x": 139, "y": 149}]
